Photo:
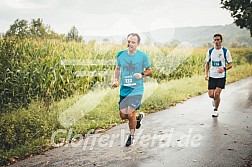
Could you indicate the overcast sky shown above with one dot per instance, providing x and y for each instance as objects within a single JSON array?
[{"x": 113, "y": 17}]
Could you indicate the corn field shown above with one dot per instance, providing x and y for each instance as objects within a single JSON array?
[
  {"x": 49, "y": 70},
  {"x": 34, "y": 70}
]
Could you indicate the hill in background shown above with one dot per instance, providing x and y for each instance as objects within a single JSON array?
[
  {"x": 233, "y": 36},
  {"x": 201, "y": 36}
]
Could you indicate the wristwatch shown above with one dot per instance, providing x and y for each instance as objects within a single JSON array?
[
  {"x": 142, "y": 73},
  {"x": 224, "y": 68}
]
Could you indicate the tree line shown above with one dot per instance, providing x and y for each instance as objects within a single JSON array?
[{"x": 37, "y": 29}]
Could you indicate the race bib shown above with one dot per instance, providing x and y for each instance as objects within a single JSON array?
[
  {"x": 216, "y": 63},
  {"x": 129, "y": 81}
]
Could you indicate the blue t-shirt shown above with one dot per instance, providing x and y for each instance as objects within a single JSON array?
[{"x": 129, "y": 65}]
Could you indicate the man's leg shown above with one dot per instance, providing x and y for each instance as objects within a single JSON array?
[
  {"x": 128, "y": 113},
  {"x": 211, "y": 95},
  {"x": 211, "y": 89},
  {"x": 217, "y": 97},
  {"x": 132, "y": 120}
]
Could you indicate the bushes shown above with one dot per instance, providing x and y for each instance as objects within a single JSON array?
[{"x": 25, "y": 126}]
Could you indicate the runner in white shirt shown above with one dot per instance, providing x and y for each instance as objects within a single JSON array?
[{"x": 218, "y": 61}]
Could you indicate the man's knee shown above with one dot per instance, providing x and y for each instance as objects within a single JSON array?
[
  {"x": 218, "y": 92},
  {"x": 211, "y": 94},
  {"x": 123, "y": 115},
  {"x": 132, "y": 116}
]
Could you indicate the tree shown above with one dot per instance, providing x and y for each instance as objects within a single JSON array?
[
  {"x": 20, "y": 28},
  {"x": 73, "y": 35},
  {"x": 241, "y": 11},
  {"x": 37, "y": 29}
]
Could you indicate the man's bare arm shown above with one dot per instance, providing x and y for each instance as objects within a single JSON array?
[
  {"x": 206, "y": 70},
  {"x": 116, "y": 77}
]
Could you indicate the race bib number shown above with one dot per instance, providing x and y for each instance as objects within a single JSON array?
[
  {"x": 129, "y": 81},
  {"x": 216, "y": 63}
]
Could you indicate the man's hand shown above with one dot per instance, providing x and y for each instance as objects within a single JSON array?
[
  {"x": 115, "y": 83},
  {"x": 138, "y": 75},
  {"x": 221, "y": 69},
  {"x": 207, "y": 77}
]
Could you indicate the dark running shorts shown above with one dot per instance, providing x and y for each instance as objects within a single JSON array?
[
  {"x": 132, "y": 101},
  {"x": 213, "y": 83}
]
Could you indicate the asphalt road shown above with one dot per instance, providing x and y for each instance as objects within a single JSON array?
[{"x": 181, "y": 136}]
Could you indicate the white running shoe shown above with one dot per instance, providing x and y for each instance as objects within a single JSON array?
[{"x": 215, "y": 113}]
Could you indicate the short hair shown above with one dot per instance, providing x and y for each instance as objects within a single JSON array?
[
  {"x": 218, "y": 35},
  {"x": 136, "y": 35}
]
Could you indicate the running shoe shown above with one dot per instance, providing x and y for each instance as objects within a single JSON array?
[
  {"x": 130, "y": 141},
  {"x": 139, "y": 120},
  {"x": 215, "y": 113}
]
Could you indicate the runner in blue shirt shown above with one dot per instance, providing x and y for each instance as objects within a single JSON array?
[{"x": 131, "y": 66}]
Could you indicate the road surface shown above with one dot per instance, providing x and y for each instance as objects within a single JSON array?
[{"x": 182, "y": 136}]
